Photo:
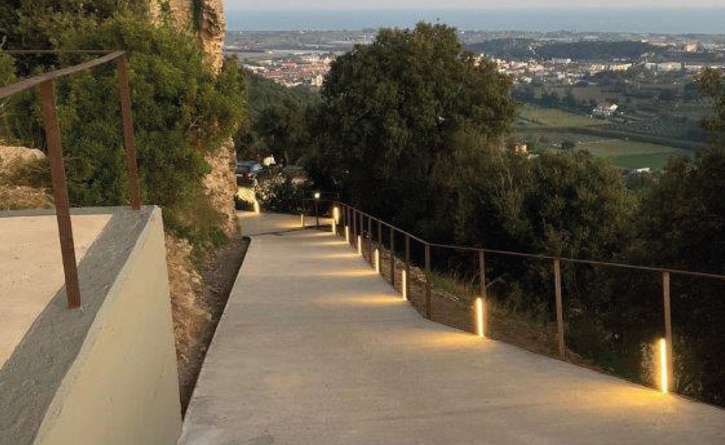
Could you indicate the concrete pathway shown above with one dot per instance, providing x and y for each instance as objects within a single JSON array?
[
  {"x": 255, "y": 224},
  {"x": 314, "y": 348}
]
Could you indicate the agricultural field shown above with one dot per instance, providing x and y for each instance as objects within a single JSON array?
[
  {"x": 551, "y": 117},
  {"x": 546, "y": 129},
  {"x": 627, "y": 154},
  {"x": 630, "y": 154}
]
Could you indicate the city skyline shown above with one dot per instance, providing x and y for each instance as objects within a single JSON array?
[{"x": 465, "y": 4}]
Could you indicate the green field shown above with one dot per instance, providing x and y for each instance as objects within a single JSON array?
[
  {"x": 629, "y": 154},
  {"x": 653, "y": 161},
  {"x": 633, "y": 154},
  {"x": 551, "y": 117}
]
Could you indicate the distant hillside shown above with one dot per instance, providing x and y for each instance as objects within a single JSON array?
[
  {"x": 264, "y": 93},
  {"x": 529, "y": 48}
]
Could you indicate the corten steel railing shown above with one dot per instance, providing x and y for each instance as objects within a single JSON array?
[
  {"x": 360, "y": 224},
  {"x": 45, "y": 85}
]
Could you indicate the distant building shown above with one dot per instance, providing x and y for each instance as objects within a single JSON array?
[
  {"x": 620, "y": 66},
  {"x": 691, "y": 46},
  {"x": 605, "y": 109}
]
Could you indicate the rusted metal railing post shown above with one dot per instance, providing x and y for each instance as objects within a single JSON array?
[
  {"x": 668, "y": 330},
  {"x": 353, "y": 238},
  {"x": 128, "y": 139},
  {"x": 427, "y": 281},
  {"x": 392, "y": 257},
  {"x": 60, "y": 194},
  {"x": 350, "y": 224},
  {"x": 379, "y": 244},
  {"x": 370, "y": 241},
  {"x": 362, "y": 235},
  {"x": 482, "y": 273},
  {"x": 407, "y": 266},
  {"x": 559, "y": 309}
]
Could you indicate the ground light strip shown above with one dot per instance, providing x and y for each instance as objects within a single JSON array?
[
  {"x": 479, "y": 317},
  {"x": 664, "y": 386},
  {"x": 405, "y": 286}
]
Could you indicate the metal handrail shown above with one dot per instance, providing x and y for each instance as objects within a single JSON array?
[
  {"x": 355, "y": 221},
  {"x": 538, "y": 256},
  {"x": 45, "y": 84}
]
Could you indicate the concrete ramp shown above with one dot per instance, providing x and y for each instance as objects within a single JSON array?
[{"x": 315, "y": 348}]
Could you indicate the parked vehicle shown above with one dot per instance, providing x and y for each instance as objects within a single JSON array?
[{"x": 248, "y": 173}]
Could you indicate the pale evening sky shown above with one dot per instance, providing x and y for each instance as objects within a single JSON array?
[{"x": 451, "y": 4}]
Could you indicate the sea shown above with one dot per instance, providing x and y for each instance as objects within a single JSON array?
[{"x": 640, "y": 21}]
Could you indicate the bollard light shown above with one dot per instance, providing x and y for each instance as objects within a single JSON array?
[
  {"x": 317, "y": 214},
  {"x": 377, "y": 261},
  {"x": 347, "y": 234},
  {"x": 302, "y": 219},
  {"x": 664, "y": 384},
  {"x": 336, "y": 214},
  {"x": 479, "y": 318},
  {"x": 334, "y": 227},
  {"x": 405, "y": 286},
  {"x": 359, "y": 245},
  {"x": 256, "y": 207}
]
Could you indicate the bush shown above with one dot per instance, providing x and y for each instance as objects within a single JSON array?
[
  {"x": 181, "y": 113},
  {"x": 279, "y": 194}
]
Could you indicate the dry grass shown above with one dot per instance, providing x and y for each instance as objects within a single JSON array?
[
  {"x": 23, "y": 197},
  {"x": 22, "y": 184},
  {"x": 451, "y": 304}
]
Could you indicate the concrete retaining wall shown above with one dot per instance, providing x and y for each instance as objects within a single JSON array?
[{"x": 113, "y": 378}]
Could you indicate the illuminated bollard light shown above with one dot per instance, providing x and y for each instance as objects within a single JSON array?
[
  {"x": 336, "y": 215},
  {"x": 405, "y": 286},
  {"x": 256, "y": 207},
  {"x": 480, "y": 328},
  {"x": 302, "y": 220},
  {"x": 664, "y": 384},
  {"x": 377, "y": 261},
  {"x": 334, "y": 227},
  {"x": 359, "y": 245},
  {"x": 347, "y": 234}
]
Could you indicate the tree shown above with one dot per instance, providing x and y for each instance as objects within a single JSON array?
[
  {"x": 391, "y": 111},
  {"x": 682, "y": 226},
  {"x": 181, "y": 112},
  {"x": 712, "y": 84},
  {"x": 283, "y": 129},
  {"x": 277, "y": 121}
]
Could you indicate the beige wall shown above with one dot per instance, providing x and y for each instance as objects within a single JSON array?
[{"x": 123, "y": 386}]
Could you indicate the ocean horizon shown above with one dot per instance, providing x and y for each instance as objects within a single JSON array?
[{"x": 641, "y": 21}]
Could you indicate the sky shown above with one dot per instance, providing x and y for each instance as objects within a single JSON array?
[{"x": 449, "y": 4}]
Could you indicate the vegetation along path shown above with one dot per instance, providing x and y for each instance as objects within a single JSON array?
[{"x": 314, "y": 347}]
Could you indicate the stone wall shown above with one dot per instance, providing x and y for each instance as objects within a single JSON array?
[{"x": 220, "y": 184}]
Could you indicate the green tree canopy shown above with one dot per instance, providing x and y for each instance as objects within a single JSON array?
[
  {"x": 392, "y": 110},
  {"x": 181, "y": 110},
  {"x": 712, "y": 84}
]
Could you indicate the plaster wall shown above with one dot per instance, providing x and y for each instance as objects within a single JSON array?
[{"x": 123, "y": 387}]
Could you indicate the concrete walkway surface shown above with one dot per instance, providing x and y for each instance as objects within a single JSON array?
[
  {"x": 255, "y": 224},
  {"x": 315, "y": 348}
]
